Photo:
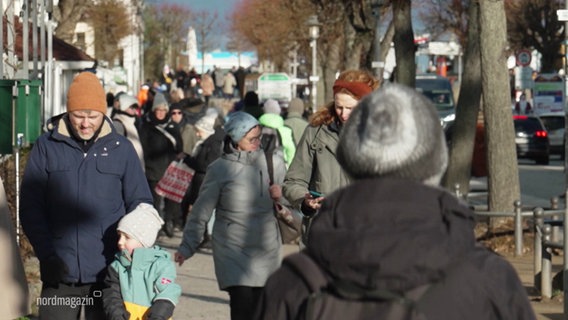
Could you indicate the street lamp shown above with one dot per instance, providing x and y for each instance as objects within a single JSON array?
[{"x": 314, "y": 25}]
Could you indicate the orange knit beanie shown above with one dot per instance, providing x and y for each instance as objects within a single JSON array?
[{"x": 86, "y": 93}]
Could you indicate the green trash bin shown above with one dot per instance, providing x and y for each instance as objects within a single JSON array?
[
  {"x": 6, "y": 116},
  {"x": 28, "y": 110}
]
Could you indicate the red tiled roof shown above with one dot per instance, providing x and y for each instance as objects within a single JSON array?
[{"x": 62, "y": 51}]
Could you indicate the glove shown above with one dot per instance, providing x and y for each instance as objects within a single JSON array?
[
  {"x": 161, "y": 310},
  {"x": 119, "y": 314},
  {"x": 52, "y": 270}
]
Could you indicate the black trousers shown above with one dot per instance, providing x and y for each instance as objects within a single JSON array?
[
  {"x": 243, "y": 301},
  {"x": 65, "y": 302}
]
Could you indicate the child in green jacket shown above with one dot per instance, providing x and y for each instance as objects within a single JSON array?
[{"x": 140, "y": 281}]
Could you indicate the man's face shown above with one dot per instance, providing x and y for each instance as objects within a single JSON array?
[{"x": 86, "y": 122}]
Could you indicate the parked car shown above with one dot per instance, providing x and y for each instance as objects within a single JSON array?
[
  {"x": 554, "y": 124},
  {"x": 531, "y": 139}
]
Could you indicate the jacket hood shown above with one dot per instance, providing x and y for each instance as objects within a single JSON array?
[
  {"x": 390, "y": 233},
  {"x": 141, "y": 257},
  {"x": 271, "y": 120}
]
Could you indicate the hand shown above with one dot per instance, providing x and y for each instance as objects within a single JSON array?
[
  {"x": 52, "y": 270},
  {"x": 275, "y": 191},
  {"x": 179, "y": 258},
  {"x": 311, "y": 202},
  {"x": 180, "y": 156}
]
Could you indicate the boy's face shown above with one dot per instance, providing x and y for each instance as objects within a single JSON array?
[{"x": 127, "y": 242}]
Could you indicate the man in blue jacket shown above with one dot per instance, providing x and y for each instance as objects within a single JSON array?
[{"x": 80, "y": 179}]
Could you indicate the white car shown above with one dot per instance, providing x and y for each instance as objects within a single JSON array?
[{"x": 554, "y": 123}]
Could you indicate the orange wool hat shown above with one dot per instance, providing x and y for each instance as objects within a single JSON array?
[{"x": 86, "y": 93}]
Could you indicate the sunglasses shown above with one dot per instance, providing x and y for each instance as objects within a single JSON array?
[{"x": 176, "y": 112}]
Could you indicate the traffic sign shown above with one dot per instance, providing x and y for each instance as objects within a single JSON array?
[
  {"x": 524, "y": 57},
  {"x": 562, "y": 14}
]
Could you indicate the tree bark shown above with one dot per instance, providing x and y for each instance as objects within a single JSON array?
[
  {"x": 404, "y": 43},
  {"x": 467, "y": 110},
  {"x": 503, "y": 178}
]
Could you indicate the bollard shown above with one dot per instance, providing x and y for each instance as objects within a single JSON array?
[
  {"x": 518, "y": 229},
  {"x": 555, "y": 229},
  {"x": 457, "y": 191},
  {"x": 546, "y": 283},
  {"x": 537, "y": 212}
]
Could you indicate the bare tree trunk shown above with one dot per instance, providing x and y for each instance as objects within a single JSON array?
[
  {"x": 503, "y": 179},
  {"x": 330, "y": 65},
  {"x": 467, "y": 110},
  {"x": 404, "y": 43}
]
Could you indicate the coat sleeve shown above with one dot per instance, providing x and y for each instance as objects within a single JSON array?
[
  {"x": 167, "y": 291},
  {"x": 33, "y": 210},
  {"x": 135, "y": 188},
  {"x": 113, "y": 304},
  {"x": 297, "y": 179},
  {"x": 201, "y": 213}
]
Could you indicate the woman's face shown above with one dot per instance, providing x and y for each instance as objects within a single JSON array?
[
  {"x": 344, "y": 105},
  {"x": 161, "y": 113},
  {"x": 251, "y": 140}
]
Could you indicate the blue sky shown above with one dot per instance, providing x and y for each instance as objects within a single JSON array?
[{"x": 223, "y": 7}]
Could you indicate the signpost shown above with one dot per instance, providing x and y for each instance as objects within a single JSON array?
[{"x": 275, "y": 86}]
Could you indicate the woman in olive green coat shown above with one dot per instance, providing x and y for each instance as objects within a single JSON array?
[{"x": 315, "y": 167}]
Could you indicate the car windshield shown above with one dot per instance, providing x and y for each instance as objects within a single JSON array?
[
  {"x": 528, "y": 125},
  {"x": 441, "y": 98},
  {"x": 553, "y": 123}
]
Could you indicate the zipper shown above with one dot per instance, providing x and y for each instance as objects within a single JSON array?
[{"x": 261, "y": 184}]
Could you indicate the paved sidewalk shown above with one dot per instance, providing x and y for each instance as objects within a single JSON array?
[
  {"x": 545, "y": 309},
  {"x": 202, "y": 299}
]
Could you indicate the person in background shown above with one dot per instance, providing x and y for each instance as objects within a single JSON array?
[
  {"x": 162, "y": 144},
  {"x": 229, "y": 85},
  {"x": 140, "y": 282},
  {"x": 125, "y": 122},
  {"x": 394, "y": 229},
  {"x": 187, "y": 130},
  {"x": 218, "y": 75},
  {"x": 275, "y": 133},
  {"x": 523, "y": 106},
  {"x": 246, "y": 239},
  {"x": 251, "y": 105},
  {"x": 176, "y": 95},
  {"x": 80, "y": 179},
  {"x": 315, "y": 167},
  {"x": 207, "y": 86},
  {"x": 295, "y": 119},
  {"x": 206, "y": 150}
]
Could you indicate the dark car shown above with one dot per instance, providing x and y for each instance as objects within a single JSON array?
[
  {"x": 439, "y": 90},
  {"x": 531, "y": 139},
  {"x": 554, "y": 124}
]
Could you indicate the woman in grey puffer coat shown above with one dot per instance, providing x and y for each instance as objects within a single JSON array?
[{"x": 246, "y": 240}]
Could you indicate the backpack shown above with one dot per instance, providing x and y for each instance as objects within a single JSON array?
[{"x": 337, "y": 299}]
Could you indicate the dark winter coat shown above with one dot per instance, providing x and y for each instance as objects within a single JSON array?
[
  {"x": 71, "y": 200},
  {"x": 398, "y": 235},
  {"x": 210, "y": 150},
  {"x": 159, "y": 149}
]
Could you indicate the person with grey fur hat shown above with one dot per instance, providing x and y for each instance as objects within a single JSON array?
[
  {"x": 394, "y": 229},
  {"x": 140, "y": 281}
]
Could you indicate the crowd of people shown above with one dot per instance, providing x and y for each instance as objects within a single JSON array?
[{"x": 363, "y": 172}]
